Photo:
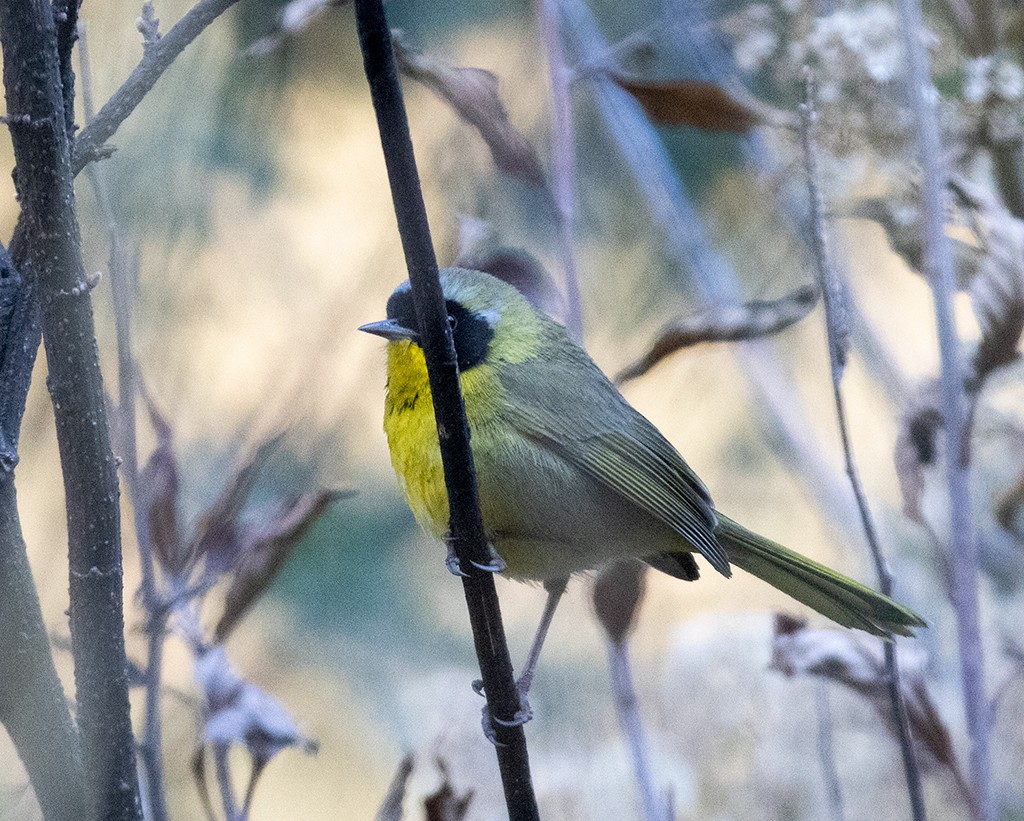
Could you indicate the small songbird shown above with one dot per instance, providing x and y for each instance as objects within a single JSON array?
[{"x": 570, "y": 475}]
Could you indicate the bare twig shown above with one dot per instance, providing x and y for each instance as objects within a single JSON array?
[
  {"x": 563, "y": 150},
  {"x": 466, "y": 526},
  {"x": 963, "y": 547},
  {"x": 32, "y": 78},
  {"x": 837, "y": 333},
  {"x": 157, "y": 57}
]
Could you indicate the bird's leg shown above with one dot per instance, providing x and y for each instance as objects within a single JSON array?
[
  {"x": 555, "y": 590},
  {"x": 495, "y": 563}
]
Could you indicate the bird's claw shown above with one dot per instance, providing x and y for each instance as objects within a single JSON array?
[
  {"x": 452, "y": 560},
  {"x": 496, "y": 563},
  {"x": 522, "y": 715}
]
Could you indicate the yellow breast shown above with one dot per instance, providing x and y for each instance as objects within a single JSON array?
[{"x": 412, "y": 433}]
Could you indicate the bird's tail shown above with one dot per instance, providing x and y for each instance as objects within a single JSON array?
[{"x": 832, "y": 594}]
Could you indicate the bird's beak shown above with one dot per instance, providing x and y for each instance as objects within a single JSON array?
[{"x": 390, "y": 329}]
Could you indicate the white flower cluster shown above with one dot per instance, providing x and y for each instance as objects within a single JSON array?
[
  {"x": 854, "y": 44},
  {"x": 991, "y": 78}
]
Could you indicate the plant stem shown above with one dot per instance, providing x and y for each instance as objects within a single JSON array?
[
  {"x": 938, "y": 270},
  {"x": 837, "y": 331},
  {"x": 466, "y": 526},
  {"x": 32, "y": 80}
]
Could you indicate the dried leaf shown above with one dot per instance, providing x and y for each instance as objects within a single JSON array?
[
  {"x": 1009, "y": 504},
  {"x": 899, "y": 216},
  {"x": 391, "y": 809},
  {"x": 445, "y": 804},
  {"x": 729, "y": 324},
  {"x": 858, "y": 662},
  {"x": 618, "y": 591},
  {"x": 473, "y": 94},
  {"x": 997, "y": 291},
  {"x": 699, "y": 104},
  {"x": 158, "y": 483},
  {"x": 917, "y": 447},
  {"x": 219, "y": 537},
  {"x": 268, "y": 552}
]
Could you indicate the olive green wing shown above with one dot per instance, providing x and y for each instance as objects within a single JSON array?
[{"x": 566, "y": 404}]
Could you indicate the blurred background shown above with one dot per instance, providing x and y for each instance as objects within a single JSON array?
[{"x": 255, "y": 191}]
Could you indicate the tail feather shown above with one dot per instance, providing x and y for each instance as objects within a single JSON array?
[{"x": 832, "y": 594}]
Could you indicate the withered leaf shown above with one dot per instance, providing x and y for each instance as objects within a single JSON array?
[
  {"x": 917, "y": 446},
  {"x": 997, "y": 291},
  {"x": 473, "y": 95},
  {"x": 693, "y": 103},
  {"x": 158, "y": 483},
  {"x": 391, "y": 808},
  {"x": 858, "y": 663},
  {"x": 729, "y": 324},
  {"x": 618, "y": 591},
  {"x": 268, "y": 552},
  {"x": 445, "y": 804},
  {"x": 219, "y": 534},
  {"x": 1010, "y": 502}
]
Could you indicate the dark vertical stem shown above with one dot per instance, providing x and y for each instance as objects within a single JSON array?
[
  {"x": 469, "y": 540},
  {"x": 938, "y": 270},
  {"x": 123, "y": 269},
  {"x": 833, "y": 295},
  {"x": 32, "y": 80}
]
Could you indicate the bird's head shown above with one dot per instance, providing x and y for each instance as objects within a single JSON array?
[{"x": 491, "y": 321}]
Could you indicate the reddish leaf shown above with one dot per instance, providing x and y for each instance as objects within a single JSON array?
[
  {"x": 158, "y": 482},
  {"x": 690, "y": 102}
]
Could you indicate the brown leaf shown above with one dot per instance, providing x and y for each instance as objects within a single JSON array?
[
  {"x": 858, "y": 662},
  {"x": 218, "y": 538},
  {"x": 268, "y": 552},
  {"x": 997, "y": 291},
  {"x": 445, "y": 804},
  {"x": 729, "y": 324},
  {"x": 158, "y": 482},
  {"x": 1010, "y": 502},
  {"x": 473, "y": 94},
  {"x": 917, "y": 446},
  {"x": 618, "y": 591},
  {"x": 697, "y": 104},
  {"x": 391, "y": 809}
]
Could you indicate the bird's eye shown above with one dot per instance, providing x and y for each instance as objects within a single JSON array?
[{"x": 452, "y": 322}]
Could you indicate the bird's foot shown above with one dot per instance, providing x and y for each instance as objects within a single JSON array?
[{"x": 521, "y": 716}]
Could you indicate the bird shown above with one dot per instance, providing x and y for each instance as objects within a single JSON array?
[{"x": 570, "y": 475}]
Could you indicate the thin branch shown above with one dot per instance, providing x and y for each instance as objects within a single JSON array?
[
  {"x": 938, "y": 269},
  {"x": 466, "y": 526},
  {"x": 157, "y": 57},
  {"x": 563, "y": 149},
  {"x": 122, "y": 281},
  {"x": 32, "y": 80},
  {"x": 837, "y": 332}
]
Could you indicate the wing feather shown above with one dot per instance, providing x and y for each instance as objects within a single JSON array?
[{"x": 587, "y": 422}]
